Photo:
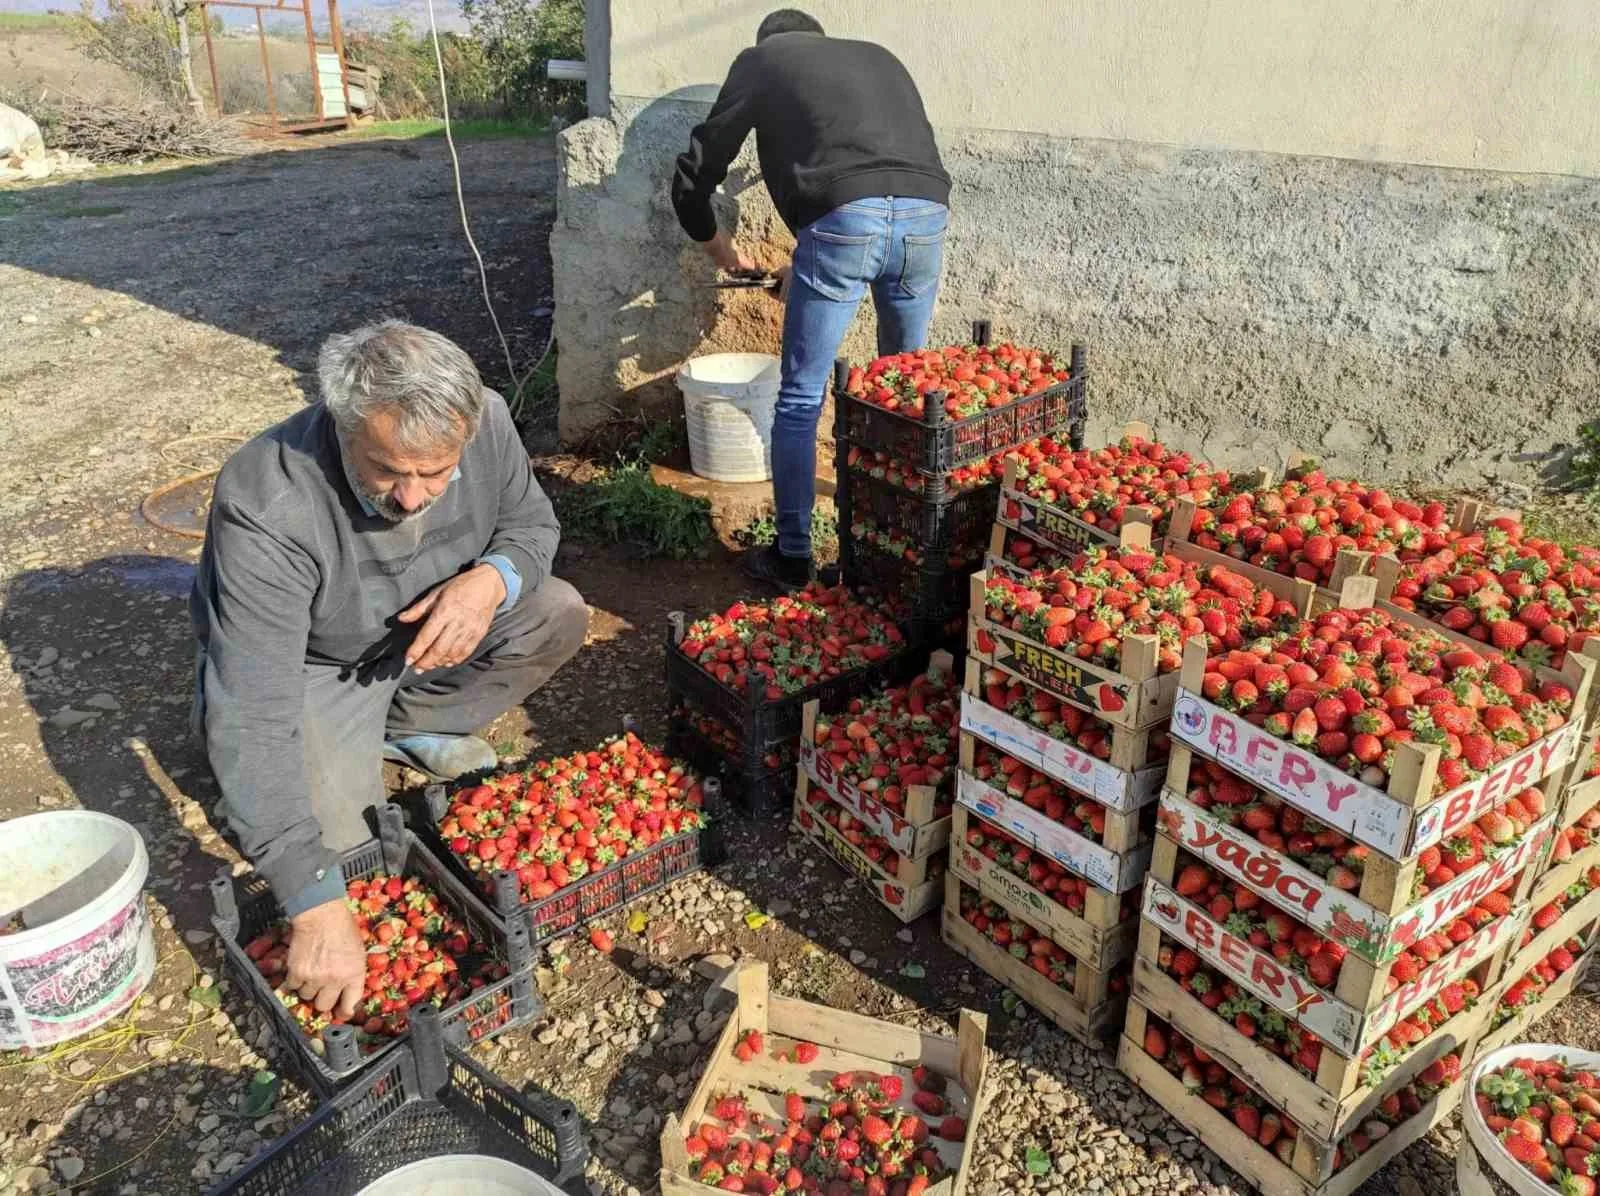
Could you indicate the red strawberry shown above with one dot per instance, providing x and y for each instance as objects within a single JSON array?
[
  {"x": 805, "y": 1052},
  {"x": 953, "y": 1129},
  {"x": 601, "y": 940},
  {"x": 928, "y": 1080},
  {"x": 930, "y": 1103}
]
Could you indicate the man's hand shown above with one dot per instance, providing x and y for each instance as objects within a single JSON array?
[
  {"x": 327, "y": 961},
  {"x": 727, "y": 255},
  {"x": 459, "y": 613}
]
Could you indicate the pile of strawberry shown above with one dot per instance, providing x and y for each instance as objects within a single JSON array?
[
  {"x": 1523, "y": 595},
  {"x": 1086, "y": 609},
  {"x": 1352, "y": 685},
  {"x": 890, "y": 741},
  {"x": 783, "y": 645},
  {"x": 1039, "y": 792},
  {"x": 1021, "y": 941},
  {"x": 884, "y": 468},
  {"x": 1060, "y": 720},
  {"x": 1247, "y": 916},
  {"x": 556, "y": 821},
  {"x": 726, "y": 739},
  {"x": 1271, "y": 1129},
  {"x": 1039, "y": 870},
  {"x": 972, "y": 378},
  {"x": 1580, "y": 836},
  {"x": 858, "y": 1140},
  {"x": 417, "y": 951},
  {"x": 1527, "y": 989},
  {"x": 1547, "y": 1116},
  {"x": 1298, "y": 527},
  {"x": 856, "y": 833},
  {"x": 1100, "y": 485},
  {"x": 1031, "y": 556}
]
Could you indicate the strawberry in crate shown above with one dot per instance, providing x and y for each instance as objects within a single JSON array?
[
  {"x": 887, "y": 742},
  {"x": 1523, "y": 595},
  {"x": 1101, "y": 485},
  {"x": 1034, "y": 789},
  {"x": 1527, "y": 989},
  {"x": 1023, "y": 943},
  {"x": 1087, "y": 609},
  {"x": 1031, "y": 556},
  {"x": 1039, "y": 870},
  {"x": 1351, "y": 685},
  {"x": 972, "y": 378},
  {"x": 1061, "y": 720},
  {"x": 1298, "y": 527},
  {"x": 790, "y": 642}
]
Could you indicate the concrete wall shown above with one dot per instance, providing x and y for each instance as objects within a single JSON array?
[{"x": 1407, "y": 320}]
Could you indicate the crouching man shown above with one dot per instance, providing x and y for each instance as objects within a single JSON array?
[{"x": 375, "y": 585}]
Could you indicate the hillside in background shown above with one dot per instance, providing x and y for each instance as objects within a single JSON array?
[{"x": 364, "y": 12}]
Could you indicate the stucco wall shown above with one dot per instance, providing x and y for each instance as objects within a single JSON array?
[{"x": 1407, "y": 319}]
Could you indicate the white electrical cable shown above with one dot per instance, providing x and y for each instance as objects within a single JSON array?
[{"x": 461, "y": 203}]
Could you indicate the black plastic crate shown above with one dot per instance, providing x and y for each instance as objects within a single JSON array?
[
  {"x": 750, "y": 716},
  {"x": 244, "y": 907},
  {"x": 936, "y": 444},
  {"x": 935, "y": 518},
  {"x": 582, "y": 901},
  {"x": 424, "y": 1100},
  {"x": 920, "y": 590},
  {"x": 748, "y": 782}
]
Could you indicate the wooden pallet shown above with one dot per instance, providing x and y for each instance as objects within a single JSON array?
[
  {"x": 1311, "y": 1173},
  {"x": 1375, "y": 923},
  {"x": 1400, "y": 821},
  {"x": 1089, "y": 1012},
  {"x": 846, "y": 1042},
  {"x": 908, "y": 893},
  {"x": 1099, "y": 936},
  {"x": 1129, "y": 780},
  {"x": 1117, "y": 864},
  {"x": 915, "y": 832}
]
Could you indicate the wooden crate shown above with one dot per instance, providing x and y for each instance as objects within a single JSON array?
[
  {"x": 1581, "y": 922},
  {"x": 915, "y": 833},
  {"x": 1118, "y": 863},
  {"x": 1555, "y": 879},
  {"x": 1099, "y": 936},
  {"x": 908, "y": 893},
  {"x": 1089, "y": 1013},
  {"x": 1129, "y": 780},
  {"x": 1312, "y": 1172},
  {"x": 1377, "y": 922},
  {"x": 846, "y": 1042},
  {"x": 1400, "y": 821},
  {"x": 1056, "y": 527},
  {"x": 996, "y": 561}
]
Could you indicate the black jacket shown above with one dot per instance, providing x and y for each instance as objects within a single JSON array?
[{"x": 835, "y": 121}]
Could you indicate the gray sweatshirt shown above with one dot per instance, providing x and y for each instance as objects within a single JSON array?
[{"x": 297, "y": 570}]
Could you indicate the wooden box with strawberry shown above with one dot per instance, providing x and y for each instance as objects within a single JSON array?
[
  {"x": 1222, "y": 1102},
  {"x": 1094, "y": 925},
  {"x": 906, "y": 887},
  {"x": 1323, "y": 1033},
  {"x": 1105, "y": 633},
  {"x": 1083, "y": 999},
  {"x": 1120, "y": 768},
  {"x": 794, "y": 1090},
  {"x": 429, "y": 941},
  {"x": 1378, "y": 727},
  {"x": 888, "y": 759},
  {"x": 1555, "y": 951}
]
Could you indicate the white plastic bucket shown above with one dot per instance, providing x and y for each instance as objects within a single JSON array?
[
  {"x": 727, "y": 402},
  {"x": 1487, "y": 1157},
  {"x": 451, "y": 1174},
  {"x": 76, "y": 878}
]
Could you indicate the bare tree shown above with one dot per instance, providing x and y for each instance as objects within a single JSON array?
[{"x": 179, "y": 11}]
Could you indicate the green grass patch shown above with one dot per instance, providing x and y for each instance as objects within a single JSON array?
[
  {"x": 474, "y": 129},
  {"x": 18, "y": 22},
  {"x": 627, "y": 506},
  {"x": 763, "y": 530},
  {"x": 72, "y": 213}
]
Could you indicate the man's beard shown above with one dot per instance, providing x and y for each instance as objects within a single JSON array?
[{"x": 386, "y": 506}]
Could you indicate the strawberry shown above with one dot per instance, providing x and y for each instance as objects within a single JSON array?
[
  {"x": 929, "y": 1103},
  {"x": 805, "y": 1052},
  {"x": 928, "y": 1080},
  {"x": 953, "y": 1129},
  {"x": 601, "y": 940}
]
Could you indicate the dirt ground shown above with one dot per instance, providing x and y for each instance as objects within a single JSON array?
[{"x": 149, "y": 320}]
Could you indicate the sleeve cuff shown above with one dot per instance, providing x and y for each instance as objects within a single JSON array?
[
  {"x": 328, "y": 886},
  {"x": 508, "y": 574}
]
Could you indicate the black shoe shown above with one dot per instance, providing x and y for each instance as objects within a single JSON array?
[{"x": 787, "y": 573}]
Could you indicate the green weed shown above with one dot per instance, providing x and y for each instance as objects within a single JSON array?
[
  {"x": 625, "y": 505},
  {"x": 473, "y": 129},
  {"x": 763, "y": 530}
]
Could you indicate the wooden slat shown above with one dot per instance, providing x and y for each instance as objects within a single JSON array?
[{"x": 842, "y": 1030}]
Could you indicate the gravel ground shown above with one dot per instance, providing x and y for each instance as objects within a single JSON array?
[{"x": 145, "y": 319}]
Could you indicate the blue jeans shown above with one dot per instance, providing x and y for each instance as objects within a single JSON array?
[{"x": 895, "y": 246}]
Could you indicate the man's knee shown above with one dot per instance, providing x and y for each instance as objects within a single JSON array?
[
  {"x": 551, "y": 623},
  {"x": 569, "y": 617}
]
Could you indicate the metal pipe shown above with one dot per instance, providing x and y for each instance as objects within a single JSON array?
[
  {"x": 266, "y": 68},
  {"x": 311, "y": 49},
  {"x": 211, "y": 58}
]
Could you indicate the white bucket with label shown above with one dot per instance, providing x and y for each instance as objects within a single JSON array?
[
  {"x": 76, "y": 945},
  {"x": 1486, "y": 1168},
  {"x": 452, "y": 1174},
  {"x": 728, "y": 399}
]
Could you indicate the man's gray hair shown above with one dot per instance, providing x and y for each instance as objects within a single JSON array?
[{"x": 425, "y": 379}]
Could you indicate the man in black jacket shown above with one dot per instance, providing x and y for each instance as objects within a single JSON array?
[{"x": 851, "y": 163}]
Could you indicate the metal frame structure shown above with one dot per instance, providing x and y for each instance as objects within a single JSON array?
[{"x": 321, "y": 120}]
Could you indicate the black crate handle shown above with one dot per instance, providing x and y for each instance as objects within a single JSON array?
[
  {"x": 675, "y": 627},
  {"x": 224, "y": 901},
  {"x": 427, "y": 1043},
  {"x": 507, "y": 893},
  {"x": 980, "y": 332},
  {"x": 339, "y": 1043}
]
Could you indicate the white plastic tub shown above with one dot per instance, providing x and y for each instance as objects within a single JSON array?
[
  {"x": 1487, "y": 1157},
  {"x": 452, "y": 1174},
  {"x": 76, "y": 878},
  {"x": 728, "y": 399}
]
